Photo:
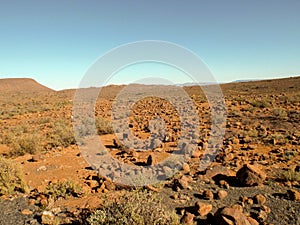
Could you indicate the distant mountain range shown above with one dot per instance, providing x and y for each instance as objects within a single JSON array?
[{"x": 30, "y": 85}]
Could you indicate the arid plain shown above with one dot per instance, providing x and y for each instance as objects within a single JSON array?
[{"x": 254, "y": 178}]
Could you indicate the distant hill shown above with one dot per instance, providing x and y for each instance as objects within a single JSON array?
[
  {"x": 246, "y": 80},
  {"x": 22, "y": 85},
  {"x": 196, "y": 84},
  {"x": 283, "y": 85}
]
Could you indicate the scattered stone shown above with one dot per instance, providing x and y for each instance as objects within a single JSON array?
[
  {"x": 175, "y": 196},
  {"x": 47, "y": 217},
  {"x": 252, "y": 221},
  {"x": 266, "y": 209},
  {"x": 41, "y": 168},
  {"x": 261, "y": 216},
  {"x": 188, "y": 218},
  {"x": 186, "y": 167},
  {"x": 250, "y": 201},
  {"x": 260, "y": 199},
  {"x": 228, "y": 157},
  {"x": 251, "y": 147},
  {"x": 151, "y": 188},
  {"x": 56, "y": 210},
  {"x": 44, "y": 201},
  {"x": 250, "y": 175},
  {"x": 224, "y": 184},
  {"x": 218, "y": 170},
  {"x": 26, "y": 212},
  {"x": 196, "y": 153},
  {"x": 231, "y": 216},
  {"x": 293, "y": 195},
  {"x": 109, "y": 185},
  {"x": 203, "y": 208},
  {"x": 31, "y": 202},
  {"x": 238, "y": 207},
  {"x": 151, "y": 160},
  {"x": 182, "y": 183},
  {"x": 244, "y": 199},
  {"x": 37, "y": 158},
  {"x": 209, "y": 195},
  {"x": 92, "y": 183},
  {"x": 222, "y": 194}
]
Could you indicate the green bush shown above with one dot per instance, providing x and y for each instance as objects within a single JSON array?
[
  {"x": 137, "y": 208},
  {"x": 11, "y": 178}
]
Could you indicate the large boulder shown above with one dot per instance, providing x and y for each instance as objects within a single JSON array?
[
  {"x": 232, "y": 216},
  {"x": 250, "y": 175}
]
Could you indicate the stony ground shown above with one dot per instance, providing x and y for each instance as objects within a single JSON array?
[{"x": 254, "y": 179}]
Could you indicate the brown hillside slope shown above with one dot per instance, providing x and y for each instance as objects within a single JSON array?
[{"x": 22, "y": 85}]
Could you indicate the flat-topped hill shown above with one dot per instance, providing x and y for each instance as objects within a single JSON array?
[{"x": 22, "y": 85}]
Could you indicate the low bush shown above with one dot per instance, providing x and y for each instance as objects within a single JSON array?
[
  {"x": 62, "y": 134},
  {"x": 280, "y": 113},
  {"x": 22, "y": 139},
  {"x": 25, "y": 143},
  {"x": 11, "y": 178},
  {"x": 289, "y": 175},
  {"x": 138, "y": 208},
  {"x": 261, "y": 103},
  {"x": 104, "y": 126},
  {"x": 63, "y": 189}
]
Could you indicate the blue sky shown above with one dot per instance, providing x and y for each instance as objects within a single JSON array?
[{"x": 56, "y": 41}]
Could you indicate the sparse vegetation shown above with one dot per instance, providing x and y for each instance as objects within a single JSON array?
[
  {"x": 261, "y": 103},
  {"x": 289, "y": 154},
  {"x": 62, "y": 134},
  {"x": 11, "y": 178},
  {"x": 280, "y": 113},
  {"x": 104, "y": 126},
  {"x": 63, "y": 189},
  {"x": 138, "y": 207},
  {"x": 289, "y": 175},
  {"x": 21, "y": 140},
  {"x": 86, "y": 127},
  {"x": 26, "y": 143}
]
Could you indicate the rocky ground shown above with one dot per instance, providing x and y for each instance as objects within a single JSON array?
[{"x": 254, "y": 178}]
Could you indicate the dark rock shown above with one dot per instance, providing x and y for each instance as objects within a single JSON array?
[{"x": 250, "y": 175}]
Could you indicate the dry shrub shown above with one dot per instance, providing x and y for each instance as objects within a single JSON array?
[
  {"x": 138, "y": 208},
  {"x": 22, "y": 139},
  {"x": 26, "y": 143},
  {"x": 62, "y": 134},
  {"x": 63, "y": 189},
  {"x": 104, "y": 126},
  {"x": 261, "y": 103},
  {"x": 280, "y": 113},
  {"x": 289, "y": 175},
  {"x": 11, "y": 178}
]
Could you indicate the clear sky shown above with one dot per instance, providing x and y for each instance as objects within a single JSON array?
[{"x": 56, "y": 41}]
